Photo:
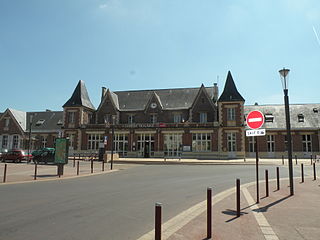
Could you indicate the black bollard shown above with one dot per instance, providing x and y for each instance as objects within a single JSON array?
[
  {"x": 209, "y": 212},
  {"x": 238, "y": 197},
  {"x": 157, "y": 227}
]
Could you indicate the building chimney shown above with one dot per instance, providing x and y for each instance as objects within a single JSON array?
[
  {"x": 215, "y": 92},
  {"x": 103, "y": 93}
]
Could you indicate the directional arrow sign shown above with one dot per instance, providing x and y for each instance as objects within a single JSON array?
[{"x": 255, "y": 119}]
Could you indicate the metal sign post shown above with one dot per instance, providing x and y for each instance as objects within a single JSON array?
[{"x": 255, "y": 120}]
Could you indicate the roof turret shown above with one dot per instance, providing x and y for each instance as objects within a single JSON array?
[
  {"x": 230, "y": 92},
  {"x": 80, "y": 97}
]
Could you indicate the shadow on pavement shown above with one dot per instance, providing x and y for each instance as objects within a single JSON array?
[
  {"x": 232, "y": 213},
  {"x": 265, "y": 208}
]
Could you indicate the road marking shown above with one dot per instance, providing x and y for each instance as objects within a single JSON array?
[{"x": 264, "y": 225}]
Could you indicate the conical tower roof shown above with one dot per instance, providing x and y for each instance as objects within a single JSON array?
[
  {"x": 230, "y": 92},
  {"x": 80, "y": 97}
]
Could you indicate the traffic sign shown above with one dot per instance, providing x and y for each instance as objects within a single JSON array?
[
  {"x": 255, "y": 119},
  {"x": 255, "y": 132}
]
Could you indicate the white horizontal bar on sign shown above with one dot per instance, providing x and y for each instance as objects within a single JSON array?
[
  {"x": 255, "y": 132},
  {"x": 258, "y": 119}
]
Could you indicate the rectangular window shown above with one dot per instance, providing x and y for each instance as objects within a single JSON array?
[
  {"x": 231, "y": 137},
  {"x": 306, "y": 143},
  {"x": 7, "y": 121},
  {"x": 15, "y": 142},
  {"x": 231, "y": 114},
  {"x": 4, "y": 141},
  {"x": 270, "y": 143},
  {"x": 44, "y": 141},
  {"x": 203, "y": 117},
  {"x": 177, "y": 118},
  {"x": 251, "y": 144},
  {"x": 172, "y": 144},
  {"x": 131, "y": 119},
  {"x": 268, "y": 118},
  {"x": 71, "y": 118},
  {"x": 94, "y": 140},
  {"x": 201, "y": 142},
  {"x": 153, "y": 118},
  {"x": 300, "y": 118},
  {"x": 120, "y": 143},
  {"x": 107, "y": 118}
]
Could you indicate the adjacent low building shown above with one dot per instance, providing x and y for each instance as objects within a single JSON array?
[{"x": 186, "y": 122}]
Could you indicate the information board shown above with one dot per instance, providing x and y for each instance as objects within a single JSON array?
[{"x": 61, "y": 153}]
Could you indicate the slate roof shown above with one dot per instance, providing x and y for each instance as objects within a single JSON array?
[
  {"x": 230, "y": 92},
  {"x": 171, "y": 99},
  {"x": 20, "y": 116},
  {"x": 50, "y": 123},
  {"x": 79, "y": 97},
  {"x": 311, "y": 118}
]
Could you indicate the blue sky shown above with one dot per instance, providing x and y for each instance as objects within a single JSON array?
[{"x": 46, "y": 47}]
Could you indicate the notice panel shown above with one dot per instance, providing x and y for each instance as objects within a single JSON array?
[{"x": 255, "y": 132}]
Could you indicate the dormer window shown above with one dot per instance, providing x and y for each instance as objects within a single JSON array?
[
  {"x": 300, "y": 118},
  {"x": 177, "y": 118},
  {"x": 59, "y": 122},
  {"x": 153, "y": 118},
  {"x": 40, "y": 122},
  {"x": 269, "y": 118},
  {"x": 131, "y": 119},
  {"x": 203, "y": 117},
  {"x": 315, "y": 110},
  {"x": 7, "y": 120}
]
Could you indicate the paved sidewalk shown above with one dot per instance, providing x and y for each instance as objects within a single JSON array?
[
  {"x": 278, "y": 216},
  {"x": 23, "y": 172}
]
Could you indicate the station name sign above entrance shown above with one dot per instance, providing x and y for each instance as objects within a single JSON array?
[{"x": 255, "y": 120}]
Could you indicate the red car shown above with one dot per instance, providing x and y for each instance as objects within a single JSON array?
[{"x": 16, "y": 156}]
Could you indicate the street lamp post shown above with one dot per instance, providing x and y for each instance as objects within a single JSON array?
[
  {"x": 284, "y": 78},
  {"x": 29, "y": 142}
]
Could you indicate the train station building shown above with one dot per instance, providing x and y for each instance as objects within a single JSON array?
[{"x": 186, "y": 122}]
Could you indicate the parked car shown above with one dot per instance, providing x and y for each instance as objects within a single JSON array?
[
  {"x": 2, "y": 153},
  {"x": 16, "y": 155},
  {"x": 44, "y": 155}
]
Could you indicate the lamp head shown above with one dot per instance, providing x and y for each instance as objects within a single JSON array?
[{"x": 284, "y": 77}]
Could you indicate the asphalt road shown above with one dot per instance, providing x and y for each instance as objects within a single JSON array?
[{"x": 119, "y": 205}]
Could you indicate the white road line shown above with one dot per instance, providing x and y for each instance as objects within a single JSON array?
[{"x": 265, "y": 227}]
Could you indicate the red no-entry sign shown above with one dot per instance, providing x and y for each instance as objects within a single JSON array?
[{"x": 255, "y": 119}]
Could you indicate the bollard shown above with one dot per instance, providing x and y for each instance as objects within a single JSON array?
[
  {"x": 296, "y": 159},
  {"x": 310, "y": 159},
  {"x": 5, "y": 173},
  {"x": 35, "y": 171},
  {"x": 74, "y": 160},
  {"x": 314, "y": 172},
  {"x": 209, "y": 212},
  {"x": 282, "y": 160},
  {"x": 79, "y": 157},
  {"x": 157, "y": 227},
  {"x": 102, "y": 165},
  {"x": 302, "y": 174},
  {"x": 91, "y": 165},
  {"x": 267, "y": 183},
  {"x": 78, "y": 168},
  {"x": 278, "y": 179},
  {"x": 238, "y": 197}
]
